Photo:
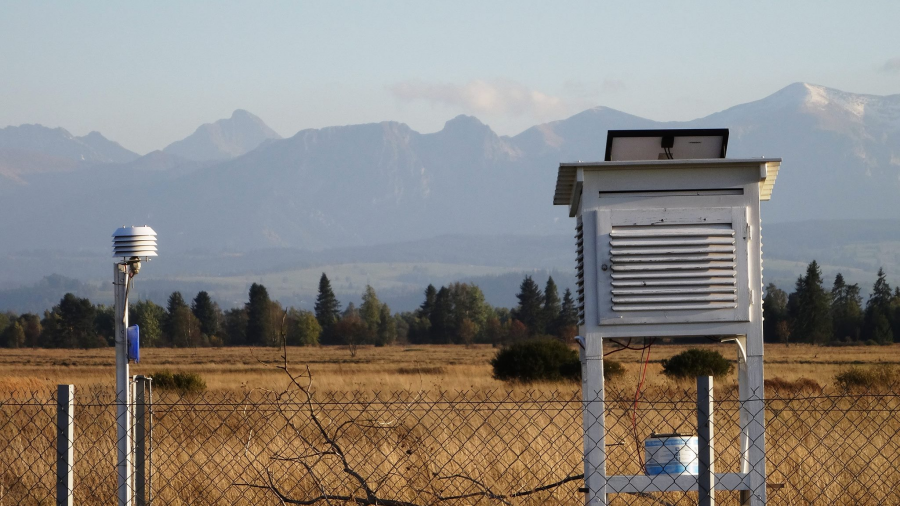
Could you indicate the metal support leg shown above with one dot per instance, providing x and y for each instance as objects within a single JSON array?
[
  {"x": 124, "y": 440},
  {"x": 594, "y": 421},
  {"x": 65, "y": 439},
  {"x": 142, "y": 402},
  {"x": 754, "y": 406},
  {"x": 705, "y": 435}
]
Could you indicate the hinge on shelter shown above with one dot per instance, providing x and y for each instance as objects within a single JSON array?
[{"x": 747, "y": 226}]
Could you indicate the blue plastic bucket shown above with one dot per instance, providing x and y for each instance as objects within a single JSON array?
[{"x": 671, "y": 454}]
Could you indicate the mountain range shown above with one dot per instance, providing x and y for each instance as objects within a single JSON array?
[
  {"x": 235, "y": 186},
  {"x": 224, "y": 139}
]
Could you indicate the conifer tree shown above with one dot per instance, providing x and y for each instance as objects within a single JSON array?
[
  {"x": 568, "y": 313},
  {"x": 812, "y": 321},
  {"x": 881, "y": 293},
  {"x": 182, "y": 328},
  {"x": 350, "y": 312},
  {"x": 236, "y": 326},
  {"x": 260, "y": 327},
  {"x": 328, "y": 309},
  {"x": 206, "y": 313},
  {"x": 76, "y": 328},
  {"x": 774, "y": 312},
  {"x": 530, "y": 309},
  {"x": 428, "y": 305},
  {"x": 877, "y": 326},
  {"x": 552, "y": 308},
  {"x": 846, "y": 310},
  {"x": 441, "y": 331}
]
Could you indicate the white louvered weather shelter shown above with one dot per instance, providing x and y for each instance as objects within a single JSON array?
[{"x": 668, "y": 239}]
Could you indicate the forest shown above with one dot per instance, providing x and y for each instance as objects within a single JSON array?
[{"x": 452, "y": 314}]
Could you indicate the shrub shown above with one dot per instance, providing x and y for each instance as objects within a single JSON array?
[
  {"x": 544, "y": 359},
  {"x": 537, "y": 360},
  {"x": 873, "y": 378},
  {"x": 184, "y": 382},
  {"x": 695, "y": 362}
]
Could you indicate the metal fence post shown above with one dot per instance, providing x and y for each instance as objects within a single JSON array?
[
  {"x": 707, "y": 478},
  {"x": 142, "y": 400},
  {"x": 65, "y": 438}
]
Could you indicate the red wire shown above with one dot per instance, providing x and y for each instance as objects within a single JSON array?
[{"x": 637, "y": 396}]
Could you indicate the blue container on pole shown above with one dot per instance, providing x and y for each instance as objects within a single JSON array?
[{"x": 133, "y": 336}]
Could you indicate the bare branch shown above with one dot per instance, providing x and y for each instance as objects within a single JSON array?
[{"x": 328, "y": 446}]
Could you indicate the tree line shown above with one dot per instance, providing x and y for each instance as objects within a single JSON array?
[
  {"x": 456, "y": 314},
  {"x": 452, "y": 314},
  {"x": 815, "y": 314}
]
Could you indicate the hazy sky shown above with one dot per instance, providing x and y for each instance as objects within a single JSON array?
[{"x": 148, "y": 74}]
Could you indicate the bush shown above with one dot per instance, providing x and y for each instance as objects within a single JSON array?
[
  {"x": 881, "y": 376},
  {"x": 537, "y": 360},
  {"x": 695, "y": 362},
  {"x": 544, "y": 360},
  {"x": 184, "y": 382}
]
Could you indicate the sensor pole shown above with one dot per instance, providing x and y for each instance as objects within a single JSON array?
[
  {"x": 130, "y": 244},
  {"x": 124, "y": 439}
]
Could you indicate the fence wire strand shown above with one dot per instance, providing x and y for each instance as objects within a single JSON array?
[{"x": 416, "y": 448}]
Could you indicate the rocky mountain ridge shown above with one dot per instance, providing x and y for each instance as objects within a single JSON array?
[{"x": 384, "y": 182}]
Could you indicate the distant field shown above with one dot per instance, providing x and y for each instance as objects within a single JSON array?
[{"x": 387, "y": 369}]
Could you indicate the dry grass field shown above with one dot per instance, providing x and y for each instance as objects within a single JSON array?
[
  {"x": 392, "y": 368},
  {"x": 420, "y": 439}
]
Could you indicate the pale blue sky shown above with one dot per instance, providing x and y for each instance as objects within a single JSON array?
[{"x": 146, "y": 75}]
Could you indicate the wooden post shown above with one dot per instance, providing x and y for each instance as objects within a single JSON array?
[
  {"x": 142, "y": 401},
  {"x": 705, "y": 436},
  {"x": 65, "y": 439}
]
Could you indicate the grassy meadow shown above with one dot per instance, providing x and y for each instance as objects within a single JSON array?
[
  {"x": 391, "y": 368},
  {"x": 823, "y": 450}
]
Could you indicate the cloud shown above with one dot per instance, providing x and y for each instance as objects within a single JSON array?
[
  {"x": 497, "y": 97},
  {"x": 892, "y": 65}
]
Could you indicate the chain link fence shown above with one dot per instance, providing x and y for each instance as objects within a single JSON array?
[{"x": 406, "y": 448}]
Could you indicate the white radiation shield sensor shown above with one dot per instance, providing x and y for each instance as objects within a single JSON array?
[{"x": 134, "y": 242}]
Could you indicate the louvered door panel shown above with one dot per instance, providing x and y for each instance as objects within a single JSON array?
[
  {"x": 672, "y": 265},
  {"x": 579, "y": 268},
  {"x": 702, "y": 257}
]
